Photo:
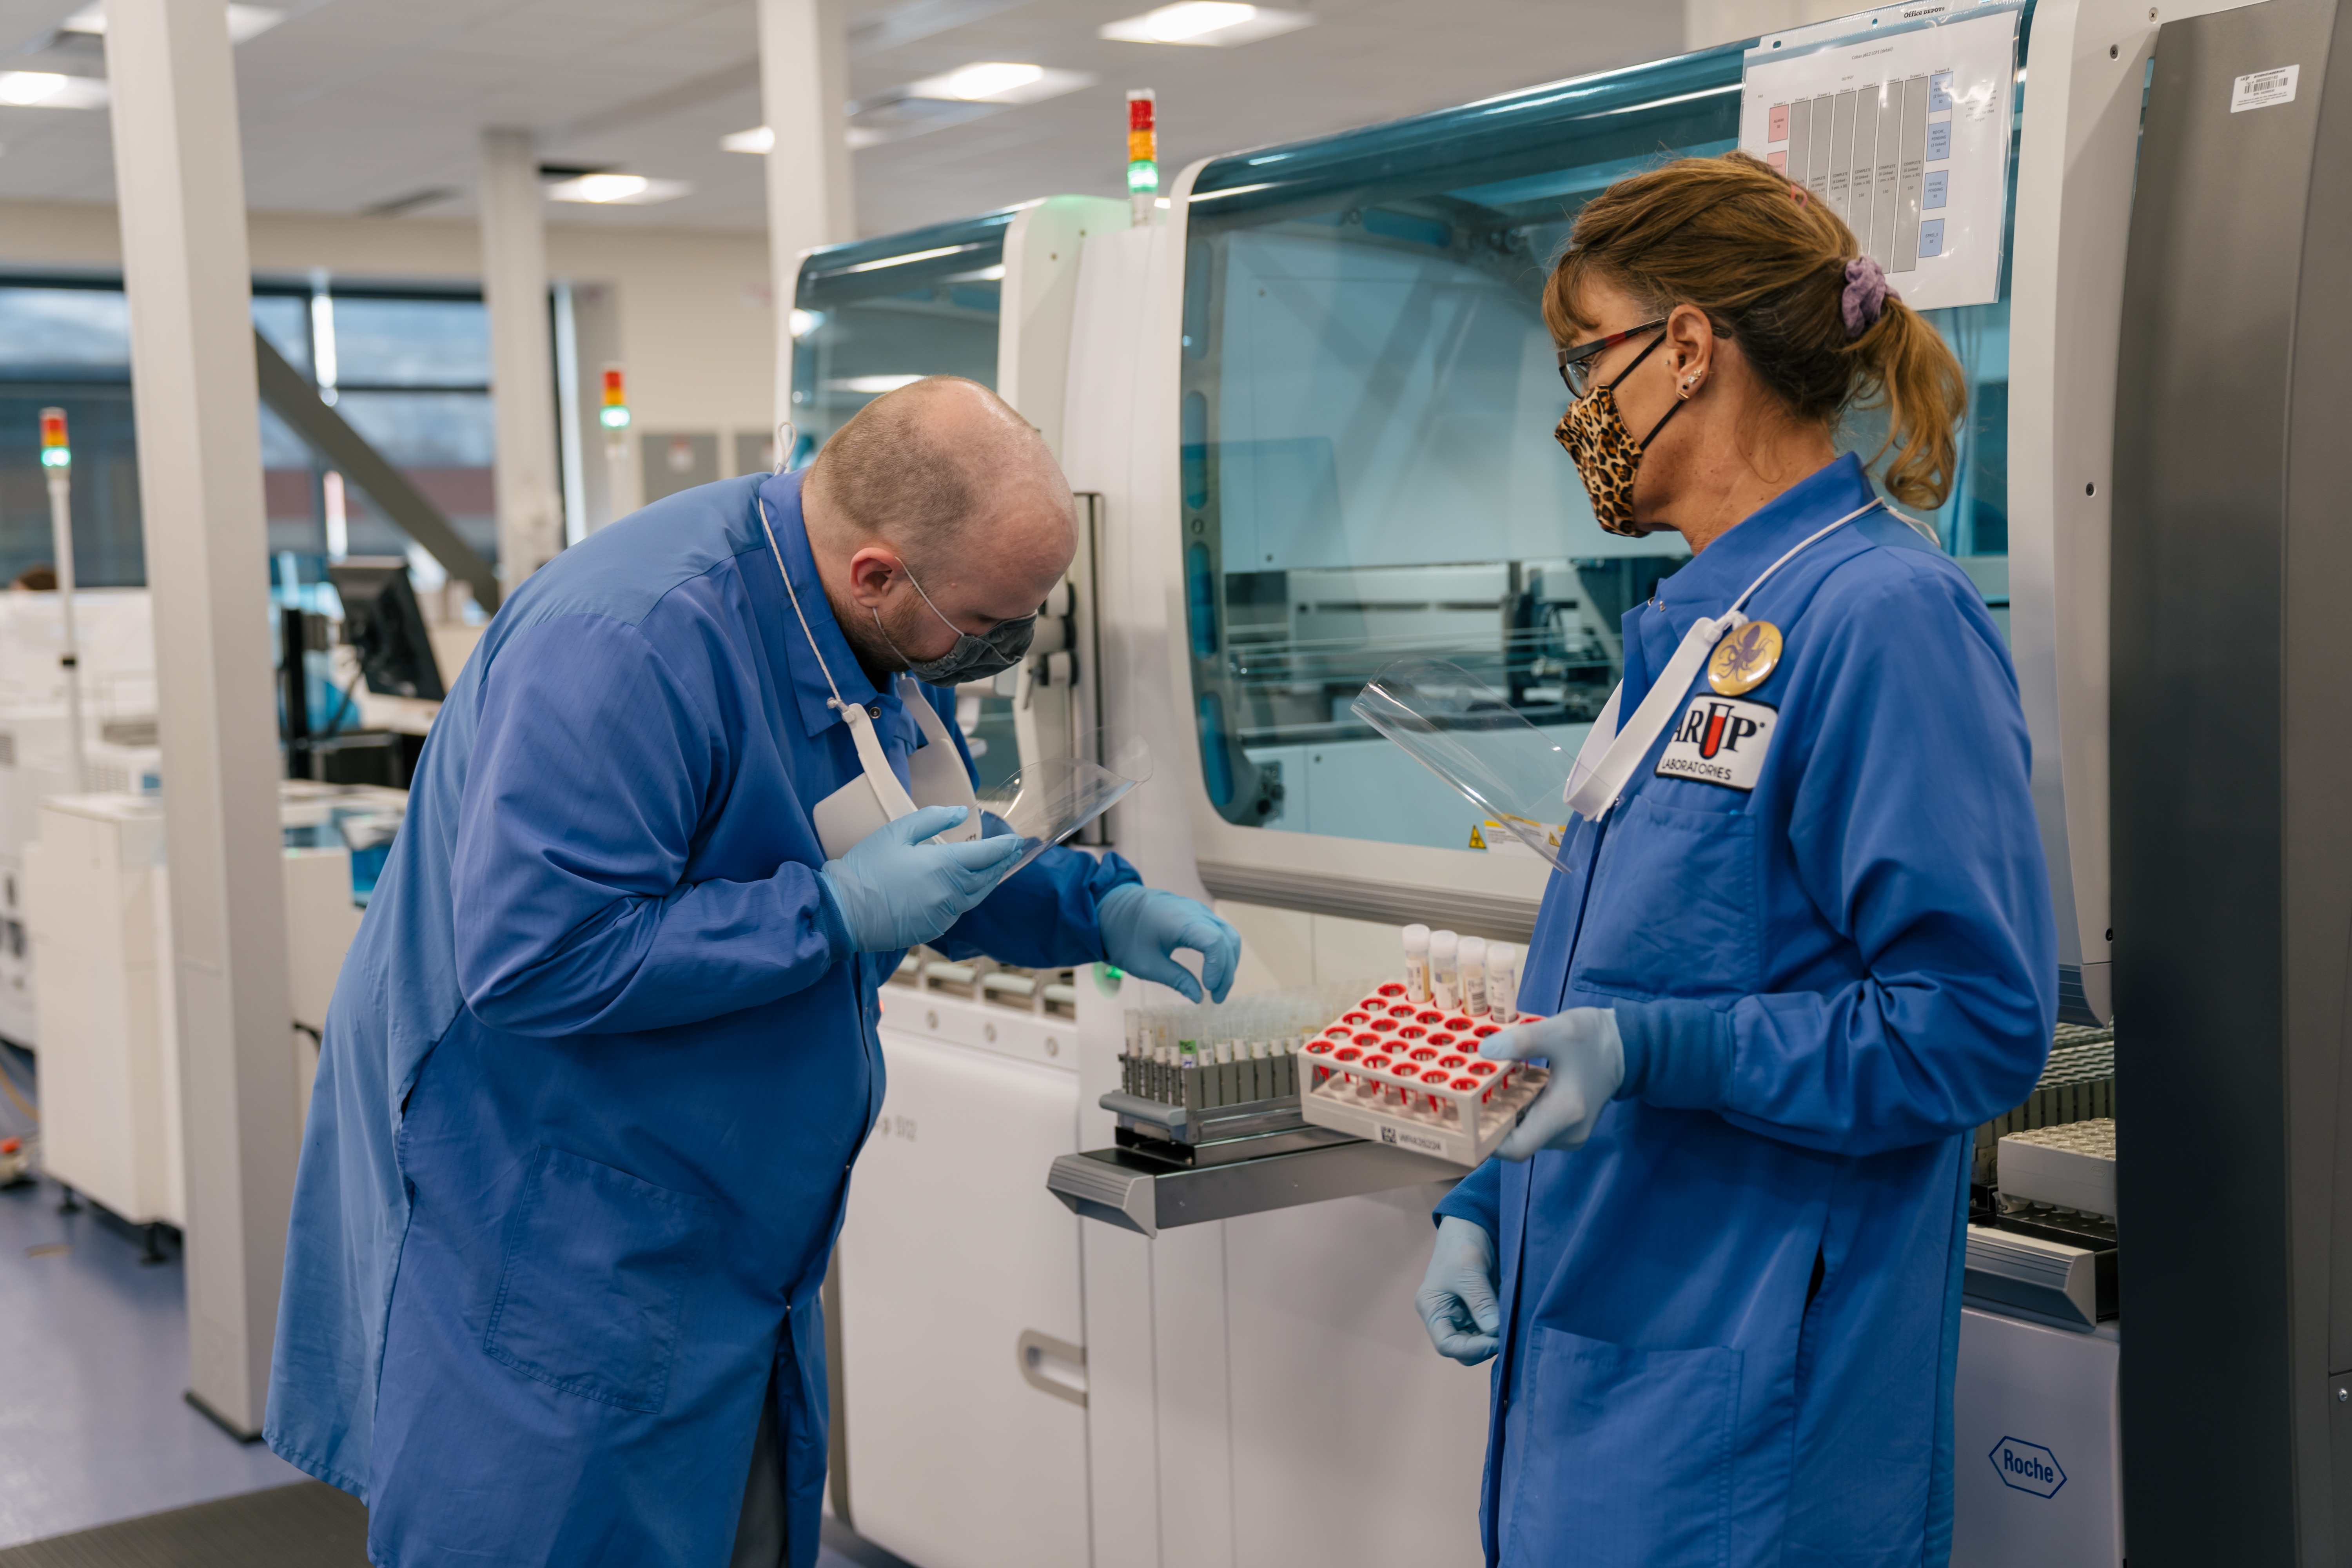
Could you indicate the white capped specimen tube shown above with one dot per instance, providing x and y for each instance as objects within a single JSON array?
[
  {"x": 1417, "y": 963},
  {"x": 1503, "y": 982},
  {"x": 1444, "y": 970},
  {"x": 1471, "y": 959}
]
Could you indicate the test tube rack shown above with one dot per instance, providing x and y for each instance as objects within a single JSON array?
[{"x": 1393, "y": 1070}]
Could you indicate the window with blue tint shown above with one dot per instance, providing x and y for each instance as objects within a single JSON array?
[
  {"x": 1368, "y": 471},
  {"x": 285, "y": 321},
  {"x": 71, "y": 330},
  {"x": 873, "y": 315},
  {"x": 108, "y": 548},
  {"x": 446, "y": 443},
  {"x": 412, "y": 374},
  {"x": 411, "y": 341}
]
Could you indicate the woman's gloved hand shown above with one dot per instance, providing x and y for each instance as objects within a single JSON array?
[
  {"x": 1143, "y": 927},
  {"x": 894, "y": 890},
  {"x": 1456, "y": 1298},
  {"x": 1587, "y": 1057}
]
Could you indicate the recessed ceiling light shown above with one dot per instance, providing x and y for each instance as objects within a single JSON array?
[
  {"x": 47, "y": 89},
  {"x": 617, "y": 190},
  {"x": 244, "y": 21},
  {"x": 759, "y": 139},
  {"x": 1218, "y": 23},
  {"x": 1000, "y": 81}
]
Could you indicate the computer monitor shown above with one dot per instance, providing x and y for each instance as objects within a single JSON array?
[{"x": 381, "y": 620}]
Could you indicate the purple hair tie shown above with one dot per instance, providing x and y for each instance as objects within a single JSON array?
[{"x": 1866, "y": 296}]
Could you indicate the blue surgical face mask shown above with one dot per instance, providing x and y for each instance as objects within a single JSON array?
[{"x": 973, "y": 657}]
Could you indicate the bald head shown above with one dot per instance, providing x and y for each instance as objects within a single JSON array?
[
  {"x": 941, "y": 478},
  {"x": 940, "y": 465}
]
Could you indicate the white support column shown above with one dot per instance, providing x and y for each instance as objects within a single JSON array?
[
  {"x": 522, "y": 373},
  {"x": 181, "y": 187},
  {"x": 803, "y": 84}
]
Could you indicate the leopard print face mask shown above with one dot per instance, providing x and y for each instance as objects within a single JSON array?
[{"x": 1607, "y": 457}]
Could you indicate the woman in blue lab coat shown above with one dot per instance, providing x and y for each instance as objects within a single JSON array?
[
  {"x": 604, "y": 1053},
  {"x": 1803, "y": 944}
]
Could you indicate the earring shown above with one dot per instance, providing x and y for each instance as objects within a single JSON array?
[{"x": 1689, "y": 382}]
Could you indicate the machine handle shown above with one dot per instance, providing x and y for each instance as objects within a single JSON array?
[{"x": 1056, "y": 1366}]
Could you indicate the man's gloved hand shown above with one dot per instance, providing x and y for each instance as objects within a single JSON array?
[
  {"x": 1588, "y": 1065},
  {"x": 1456, "y": 1298},
  {"x": 894, "y": 890},
  {"x": 1143, "y": 927}
]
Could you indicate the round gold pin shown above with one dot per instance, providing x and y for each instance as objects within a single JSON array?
[{"x": 1745, "y": 658}]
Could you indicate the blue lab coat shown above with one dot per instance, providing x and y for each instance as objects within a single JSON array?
[
  {"x": 1823, "y": 984},
  {"x": 598, "y": 1065}
]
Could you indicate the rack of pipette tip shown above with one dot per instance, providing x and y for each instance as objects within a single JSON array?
[
  {"x": 1401, "y": 1064},
  {"x": 1211, "y": 1056}
]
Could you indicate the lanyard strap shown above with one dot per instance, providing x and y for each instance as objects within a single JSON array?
[
  {"x": 1608, "y": 755},
  {"x": 895, "y": 801},
  {"x": 837, "y": 704}
]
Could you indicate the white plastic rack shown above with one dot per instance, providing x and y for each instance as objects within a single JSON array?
[{"x": 1408, "y": 1073}]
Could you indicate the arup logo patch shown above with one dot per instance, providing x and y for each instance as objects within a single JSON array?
[{"x": 2028, "y": 1466}]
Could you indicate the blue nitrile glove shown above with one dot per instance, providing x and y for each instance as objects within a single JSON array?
[
  {"x": 1456, "y": 1298},
  {"x": 1587, "y": 1057},
  {"x": 1143, "y": 927},
  {"x": 894, "y": 890}
]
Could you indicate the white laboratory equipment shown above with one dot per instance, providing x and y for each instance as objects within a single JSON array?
[
  {"x": 117, "y": 666},
  {"x": 962, "y": 1371},
  {"x": 98, "y": 910}
]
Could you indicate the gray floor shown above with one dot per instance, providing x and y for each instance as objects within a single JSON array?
[
  {"x": 93, "y": 1361},
  {"x": 93, "y": 1428}
]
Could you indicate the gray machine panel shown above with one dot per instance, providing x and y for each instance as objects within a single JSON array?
[{"x": 2231, "y": 729}]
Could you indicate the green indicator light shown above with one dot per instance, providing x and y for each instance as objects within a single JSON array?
[
  {"x": 614, "y": 418},
  {"x": 57, "y": 456},
  {"x": 1143, "y": 177}
]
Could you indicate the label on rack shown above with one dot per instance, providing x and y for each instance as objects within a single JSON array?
[{"x": 1406, "y": 1137}]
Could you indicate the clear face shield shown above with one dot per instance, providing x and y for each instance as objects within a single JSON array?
[
  {"x": 1048, "y": 802},
  {"x": 1468, "y": 734}
]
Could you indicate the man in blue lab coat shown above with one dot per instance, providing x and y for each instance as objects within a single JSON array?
[{"x": 603, "y": 1054}]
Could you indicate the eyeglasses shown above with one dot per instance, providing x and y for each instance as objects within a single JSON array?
[{"x": 1576, "y": 364}]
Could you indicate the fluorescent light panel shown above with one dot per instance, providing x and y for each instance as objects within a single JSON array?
[
  {"x": 244, "y": 21},
  {"x": 759, "y": 139},
  {"x": 1215, "y": 24},
  {"x": 47, "y": 89},
  {"x": 617, "y": 190},
  {"x": 1000, "y": 81}
]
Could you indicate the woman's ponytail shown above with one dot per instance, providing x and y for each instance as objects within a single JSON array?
[
  {"x": 1919, "y": 382},
  {"x": 1782, "y": 275}
]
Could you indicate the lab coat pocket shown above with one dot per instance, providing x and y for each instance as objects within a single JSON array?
[
  {"x": 1624, "y": 1455},
  {"x": 591, "y": 1296},
  {"x": 1673, "y": 911}
]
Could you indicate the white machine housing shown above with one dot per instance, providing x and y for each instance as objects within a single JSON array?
[{"x": 97, "y": 893}]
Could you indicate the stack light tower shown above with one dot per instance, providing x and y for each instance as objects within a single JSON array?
[
  {"x": 614, "y": 415},
  {"x": 57, "y": 460},
  {"x": 1142, "y": 153}
]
